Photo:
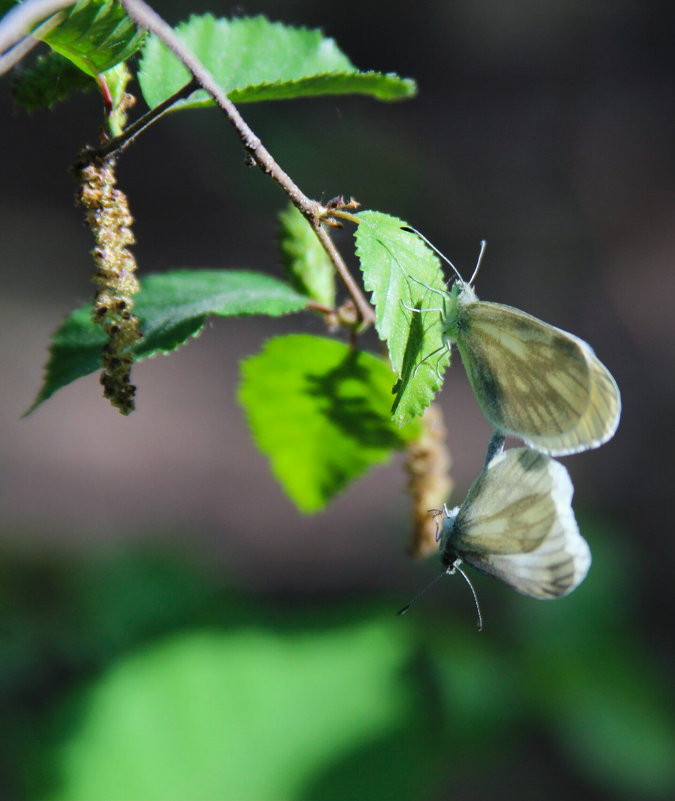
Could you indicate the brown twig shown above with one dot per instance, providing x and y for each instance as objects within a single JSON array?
[
  {"x": 121, "y": 142},
  {"x": 24, "y": 17},
  {"x": 314, "y": 212},
  {"x": 23, "y": 47},
  {"x": 20, "y": 21}
]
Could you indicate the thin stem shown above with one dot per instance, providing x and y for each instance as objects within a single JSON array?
[
  {"x": 23, "y": 47},
  {"x": 314, "y": 305},
  {"x": 104, "y": 89},
  {"x": 146, "y": 17},
  {"x": 344, "y": 215},
  {"x": 363, "y": 308},
  {"x": 122, "y": 142},
  {"x": 314, "y": 212},
  {"x": 23, "y": 18}
]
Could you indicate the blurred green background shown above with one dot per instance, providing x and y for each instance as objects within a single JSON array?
[{"x": 170, "y": 626}]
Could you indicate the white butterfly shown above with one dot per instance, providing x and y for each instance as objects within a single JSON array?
[
  {"x": 517, "y": 524},
  {"x": 530, "y": 379}
]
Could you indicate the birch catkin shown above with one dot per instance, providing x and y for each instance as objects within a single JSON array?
[
  {"x": 110, "y": 221},
  {"x": 428, "y": 464}
]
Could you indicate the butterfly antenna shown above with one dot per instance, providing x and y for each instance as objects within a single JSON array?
[
  {"x": 473, "y": 592},
  {"x": 412, "y": 230},
  {"x": 449, "y": 572},
  {"x": 421, "y": 593},
  {"x": 483, "y": 245}
]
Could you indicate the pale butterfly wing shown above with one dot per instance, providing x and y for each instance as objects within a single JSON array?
[
  {"x": 534, "y": 380},
  {"x": 517, "y": 524}
]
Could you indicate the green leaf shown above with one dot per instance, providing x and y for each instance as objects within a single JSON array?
[
  {"x": 382, "y": 86},
  {"x": 171, "y": 307},
  {"x": 53, "y": 78},
  {"x": 95, "y": 35},
  {"x": 117, "y": 79},
  {"x": 189, "y": 717},
  {"x": 254, "y": 59},
  {"x": 50, "y": 80},
  {"x": 390, "y": 259},
  {"x": 320, "y": 411},
  {"x": 309, "y": 269}
]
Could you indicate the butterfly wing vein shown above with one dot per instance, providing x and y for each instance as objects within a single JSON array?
[
  {"x": 534, "y": 380},
  {"x": 517, "y": 524}
]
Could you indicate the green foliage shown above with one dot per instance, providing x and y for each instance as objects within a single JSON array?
[
  {"x": 307, "y": 265},
  {"x": 53, "y": 78},
  {"x": 299, "y": 698},
  {"x": 171, "y": 308},
  {"x": 50, "y": 80},
  {"x": 199, "y": 694},
  {"x": 320, "y": 411},
  {"x": 598, "y": 728},
  {"x": 95, "y": 35},
  {"x": 195, "y": 695},
  {"x": 401, "y": 271},
  {"x": 117, "y": 79},
  {"x": 592, "y": 681},
  {"x": 255, "y": 59}
]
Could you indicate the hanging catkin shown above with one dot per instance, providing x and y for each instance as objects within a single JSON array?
[
  {"x": 109, "y": 219},
  {"x": 428, "y": 464}
]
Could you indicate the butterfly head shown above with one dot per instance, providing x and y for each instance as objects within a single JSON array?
[
  {"x": 462, "y": 293},
  {"x": 444, "y": 532},
  {"x": 451, "y": 561}
]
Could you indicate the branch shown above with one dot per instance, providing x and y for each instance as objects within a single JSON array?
[
  {"x": 146, "y": 17},
  {"x": 23, "y": 47},
  {"x": 23, "y": 18},
  {"x": 364, "y": 309},
  {"x": 121, "y": 142},
  {"x": 314, "y": 212}
]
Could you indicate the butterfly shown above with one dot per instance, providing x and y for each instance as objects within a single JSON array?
[
  {"x": 517, "y": 524},
  {"x": 530, "y": 378}
]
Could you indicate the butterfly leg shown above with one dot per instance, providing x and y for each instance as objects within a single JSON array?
[
  {"x": 419, "y": 311},
  {"x": 433, "y": 353},
  {"x": 444, "y": 295},
  {"x": 438, "y": 363}
]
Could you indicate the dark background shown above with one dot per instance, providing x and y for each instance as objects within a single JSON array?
[{"x": 546, "y": 129}]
